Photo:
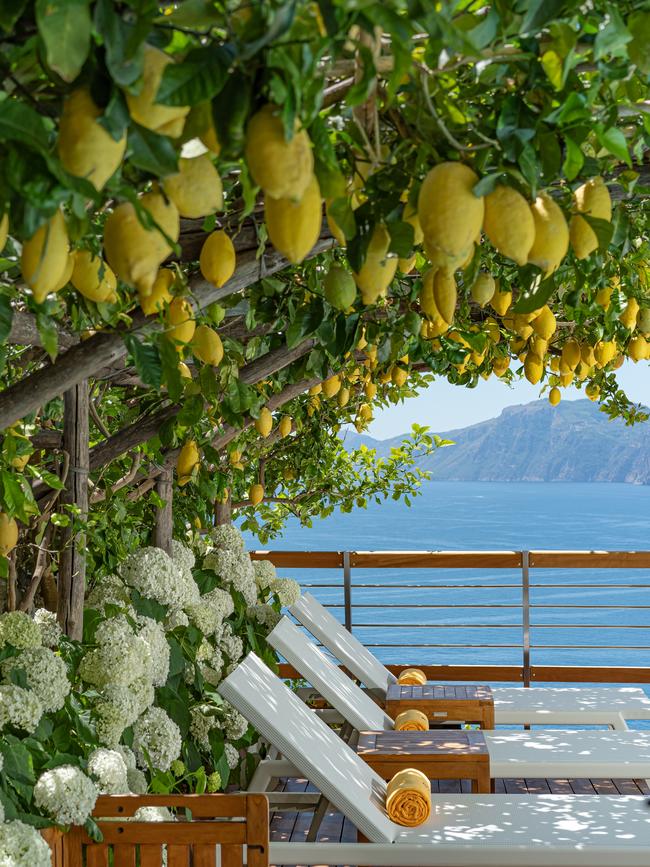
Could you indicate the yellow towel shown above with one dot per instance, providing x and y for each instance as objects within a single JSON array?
[
  {"x": 408, "y": 798},
  {"x": 411, "y": 721},
  {"x": 412, "y": 677}
]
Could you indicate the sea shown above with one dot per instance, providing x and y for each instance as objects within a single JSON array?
[{"x": 460, "y": 616}]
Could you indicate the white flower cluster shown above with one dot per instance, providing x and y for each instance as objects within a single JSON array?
[
  {"x": 204, "y": 718},
  {"x": 111, "y": 590},
  {"x": 182, "y": 556},
  {"x": 232, "y": 756},
  {"x": 154, "y": 575},
  {"x": 265, "y": 573},
  {"x": 120, "y": 656},
  {"x": 109, "y": 769},
  {"x": 233, "y": 723},
  {"x": 136, "y": 780},
  {"x": 228, "y": 536},
  {"x": 22, "y": 846},
  {"x": 19, "y": 707},
  {"x": 66, "y": 794},
  {"x": 153, "y": 634},
  {"x": 202, "y": 723},
  {"x": 286, "y": 589},
  {"x": 156, "y": 739},
  {"x": 212, "y": 669},
  {"x": 46, "y": 673},
  {"x": 231, "y": 562},
  {"x": 153, "y": 814},
  {"x": 119, "y": 707},
  {"x": 265, "y": 615},
  {"x": 19, "y": 630},
  {"x": 231, "y": 644},
  {"x": 50, "y": 630},
  {"x": 211, "y": 610}
]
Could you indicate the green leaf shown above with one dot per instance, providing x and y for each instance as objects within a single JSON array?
[
  {"x": 639, "y": 48},
  {"x": 613, "y": 140},
  {"x": 488, "y": 183},
  {"x": 401, "y": 237},
  {"x": 573, "y": 159},
  {"x": 19, "y": 122},
  {"x": 613, "y": 37},
  {"x": 538, "y": 13},
  {"x": 603, "y": 229},
  {"x": 149, "y": 607},
  {"x": 230, "y": 113},
  {"x": 171, "y": 375},
  {"x": 48, "y": 334},
  {"x": 10, "y": 12},
  {"x": 152, "y": 152},
  {"x": 64, "y": 27},
  {"x": 198, "y": 78},
  {"x": 6, "y": 317},
  {"x": 192, "y": 411},
  {"x": 412, "y": 323},
  {"x": 123, "y": 37},
  {"x": 282, "y": 21},
  {"x": 535, "y": 297},
  {"x": 305, "y": 322},
  {"x": 146, "y": 359},
  {"x": 553, "y": 67}
]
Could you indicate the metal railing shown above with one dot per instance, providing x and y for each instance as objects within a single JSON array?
[{"x": 361, "y": 596}]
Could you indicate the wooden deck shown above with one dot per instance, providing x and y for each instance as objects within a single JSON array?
[{"x": 291, "y": 826}]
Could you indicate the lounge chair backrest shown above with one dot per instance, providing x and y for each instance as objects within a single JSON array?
[
  {"x": 345, "y": 647},
  {"x": 336, "y": 687},
  {"x": 287, "y": 723}
]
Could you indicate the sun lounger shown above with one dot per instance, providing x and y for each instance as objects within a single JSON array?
[
  {"x": 462, "y": 831},
  {"x": 609, "y": 706}
]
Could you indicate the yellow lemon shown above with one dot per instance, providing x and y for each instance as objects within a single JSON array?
[
  {"x": 571, "y": 354},
  {"x": 501, "y": 301},
  {"x": 500, "y": 363},
  {"x": 187, "y": 460},
  {"x": 637, "y": 348},
  {"x": 4, "y": 230},
  {"x": 554, "y": 396},
  {"x": 256, "y": 494},
  {"x": 143, "y": 108},
  {"x": 551, "y": 234},
  {"x": 92, "y": 277},
  {"x": 184, "y": 370},
  {"x": 603, "y": 296},
  {"x": 445, "y": 294},
  {"x": 294, "y": 224},
  {"x": 264, "y": 422},
  {"x": 399, "y": 376},
  {"x": 533, "y": 368},
  {"x": 64, "y": 279},
  {"x": 544, "y": 323},
  {"x": 180, "y": 321},
  {"x": 284, "y": 169},
  {"x": 286, "y": 425},
  {"x": 8, "y": 534},
  {"x": 630, "y": 314},
  {"x": 332, "y": 386},
  {"x": 217, "y": 260},
  {"x": 207, "y": 346},
  {"x": 343, "y": 396},
  {"x": 410, "y": 216},
  {"x": 45, "y": 257},
  {"x": 483, "y": 289},
  {"x": 196, "y": 188},
  {"x": 590, "y": 198},
  {"x": 509, "y": 223},
  {"x": 160, "y": 294},
  {"x": 375, "y": 275}
]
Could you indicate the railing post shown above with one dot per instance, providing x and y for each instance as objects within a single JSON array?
[
  {"x": 525, "y": 605},
  {"x": 347, "y": 590}
]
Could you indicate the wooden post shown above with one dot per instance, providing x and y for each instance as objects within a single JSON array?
[
  {"x": 164, "y": 525},
  {"x": 72, "y": 564},
  {"x": 223, "y": 512}
]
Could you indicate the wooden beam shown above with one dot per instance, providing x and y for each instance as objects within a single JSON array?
[
  {"x": 589, "y": 559},
  {"x": 164, "y": 518},
  {"x": 72, "y": 563}
]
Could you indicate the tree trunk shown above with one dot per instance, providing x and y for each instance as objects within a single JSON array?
[
  {"x": 163, "y": 528},
  {"x": 223, "y": 512},
  {"x": 72, "y": 564}
]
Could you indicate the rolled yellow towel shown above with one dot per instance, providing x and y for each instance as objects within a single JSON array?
[
  {"x": 408, "y": 798},
  {"x": 412, "y": 677},
  {"x": 411, "y": 721}
]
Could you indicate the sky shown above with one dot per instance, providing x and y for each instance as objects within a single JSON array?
[{"x": 444, "y": 407}]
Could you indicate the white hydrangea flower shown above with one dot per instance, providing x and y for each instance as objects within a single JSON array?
[
  {"x": 128, "y": 756},
  {"x": 19, "y": 630},
  {"x": 155, "y": 576},
  {"x": 109, "y": 769},
  {"x": 232, "y": 756},
  {"x": 110, "y": 590},
  {"x": 51, "y": 632},
  {"x": 137, "y": 781},
  {"x": 19, "y": 707},
  {"x": 211, "y": 609},
  {"x": 120, "y": 657},
  {"x": 287, "y": 590},
  {"x": 22, "y": 846},
  {"x": 233, "y": 723},
  {"x": 231, "y": 644},
  {"x": 228, "y": 536},
  {"x": 176, "y": 618},
  {"x": 265, "y": 615},
  {"x": 234, "y": 567},
  {"x": 153, "y": 814},
  {"x": 46, "y": 672},
  {"x": 156, "y": 739},
  {"x": 182, "y": 556},
  {"x": 154, "y": 634},
  {"x": 213, "y": 668},
  {"x": 119, "y": 707},
  {"x": 265, "y": 573},
  {"x": 201, "y": 724},
  {"x": 66, "y": 794}
]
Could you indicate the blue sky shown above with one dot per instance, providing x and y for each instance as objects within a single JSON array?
[{"x": 445, "y": 407}]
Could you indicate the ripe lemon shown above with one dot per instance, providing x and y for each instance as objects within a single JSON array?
[
  {"x": 643, "y": 320},
  {"x": 294, "y": 224},
  {"x": 591, "y": 198},
  {"x": 501, "y": 301},
  {"x": 551, "y": 234},
  {"x": 630, "y": 314},
  {"x": 445, "y": 294},
  {"x": 500, "y": 363},
  {"x": 483, "y": 289},
  {"x": 256, "y": 494},
  {"x": 45, "y": 257},
  {"x": 4, "y": 230},
  {"x": 180, "y": 321},
  {"x": 533, "y": 368},
  {"x": 315, "y": 389},
  {"x": 604, "y": 352},
  {"x": 85, "y": 148},
  {"x": 8, "y": 534},
  {"x": 196, "y": 188},
  {"x": 399, "y": 376},
  {"x": 592, "y": 391},
  {"x": 207, "y": 346},
  {"x": 450, "y": 214},
  {"x": 554, "y": 396},
  {"x": 143, "y": 108},
  {"x": 509, "y": 223},
  {"x": 603, "y": 296},
  {"x": 406, "y": 265},
  {"x": 375, "y": 275},
  {"x": 343, "y": 396},
  {"x": 160, "y": 294},
  {"x": 134, "y": 252},
  {"x": 64, "y": 279},
  {"x": 332, "y": 386},
  {"x": 264, "y": 422},
  {"x": 188, "y": 458},
  {"x": 410, "y": 215},
  {"x": 370, "y": 390},
  {"x": 339, "y": 287},
  {"x": 571, "y": 354},
  {"x": 184, "y": 370},
  {"x": 544, "y": 323},
  {"x": 217, "y": 260},
  {"x": 283, "y": 169},
  {"x": 335, "y": 229},
  {"x": 587, "y": 355},
  {"x": 286, "y": 425},
  {"x": 637, "y": 348},
  {"x": 92, "y": 277}
]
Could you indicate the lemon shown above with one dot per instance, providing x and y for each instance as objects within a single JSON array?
[
  {"x": 406, "y": 265},
  {"x": 399, "y": 376},
  {"x": 332, "y": 386},
  {"x": 450, "y": 214},
  {"x": 375, "y": 275},
  {"x": 294, "y": 224},
  {"x": 8, "y": 534},
  {"x": 483, "y": 289},
  {"x": 554, "y": 396},
  {"x": 85, "y": 148},
  {"x": 544, "y": 324},
  {"x": 603, "y": 296},
  {"x": 571, "y": 354},
  {"x": 365, "y": 412},
  {"x": 217, "y": 260},
  {"x": 501, "y": 301},
  {"x": 64, "y": 279},
  {"x": 339, "y": 288},
  {"x": 196, "y": 188},
  {"x": 509, "y": 223},
  {"x": 335, "y": 229},
  {"x": 184, "y": 370},
  {"x": 315, "y": 389},
  {"x": 637, "y": 348},
  {"x": 343, "y": 396},
  {"x": 286, "y": 425},
  {"x": 520, "y": 324},
  {"x": 493, "y": 330},
  {"x": 630, "y": 314},
  {"x": 551, "y": 234},
  {"x": 4, "y": 230},
  {"x": 143, "y": 108},
  {"x": 264, "y": 422},
  {"x": 256, "y": 494},
  {"x": 587, "y": 355},
  {"x": 643, "y": 320},
  {"x": 500, "y": 364},
  {"x": 92, "y": 277},
  {"x": 283, "y": 169},
  {"x": 445, "y": 294},
  {"x": 134, "y": 252},
  {"x": 555, "y": 364},
  {"x": 410, "y": 216},
  {"x": 160, "y": 294},
  {"x": 207, "y": 345},
  {"x": 591, "y": 198},
  {"x": 180, "y": 321},
  {"x": 45, "y": 257},
  {"x": 187, "y": 460},
  {"x": 533, "y": 368},
  {"x": 370, "y": 390},
  {"x": 592, "y": 391},
  {"x": 604, "y": 352}
]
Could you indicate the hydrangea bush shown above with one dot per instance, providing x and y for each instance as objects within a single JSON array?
[{"x": 134, "y": 706}]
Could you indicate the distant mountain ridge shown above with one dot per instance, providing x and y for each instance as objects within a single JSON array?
[{"x": 535, "y": 442}]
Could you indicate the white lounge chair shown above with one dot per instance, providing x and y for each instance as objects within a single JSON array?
[
  {"x": 614, "y": 755},
  {"x": 610, "y": 706},
  {"x": 467, "y": 831}
]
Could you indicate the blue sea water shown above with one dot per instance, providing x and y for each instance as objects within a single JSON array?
[{"x": 492, "y": 516}]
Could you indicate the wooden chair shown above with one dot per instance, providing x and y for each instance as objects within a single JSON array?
[{"x": 202, "y": 823}]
